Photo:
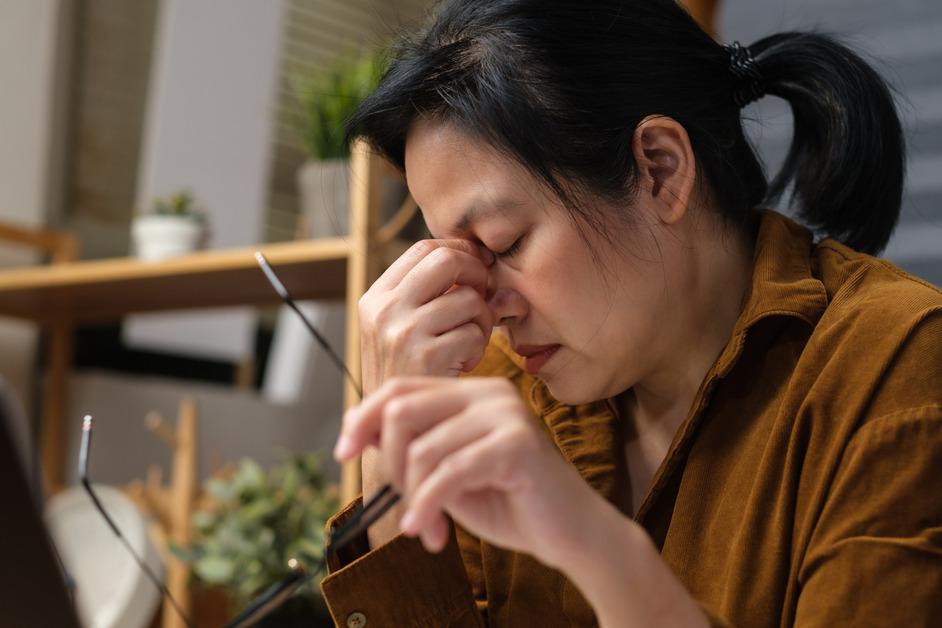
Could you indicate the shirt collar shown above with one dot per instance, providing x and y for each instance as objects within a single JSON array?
[{"x": 783, "y": 283}]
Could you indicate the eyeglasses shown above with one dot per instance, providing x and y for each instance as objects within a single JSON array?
[
  {"x": 298, "y": 576},
  {"x": 87, "y": 485}
]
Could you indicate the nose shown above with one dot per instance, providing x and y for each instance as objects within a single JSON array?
[{"x": 508, "y": 305}]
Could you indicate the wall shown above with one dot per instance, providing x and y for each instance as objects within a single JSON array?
[
  {"x": 208, "y": 130},
  {"x": 902, "y": 40},
  {"x": 34, "y": 48}
]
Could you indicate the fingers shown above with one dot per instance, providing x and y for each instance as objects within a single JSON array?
[
  {"x": 423, "y": 455},
  {"x": 458, "y": 350},
  {"x": 457, "y": 307},
  {"x": 445, "y": 442},
  {"x": 362, "y": 425},
  {"x": 481, "y": 464},
  {"x": 422, "y": 249},
  {"x": 398, "y": 339},
  {"x": 406, "y": 419},
  {"x": 441, "y": 269}
]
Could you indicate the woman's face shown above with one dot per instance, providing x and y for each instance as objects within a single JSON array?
[{"x": 601, "y": 306}]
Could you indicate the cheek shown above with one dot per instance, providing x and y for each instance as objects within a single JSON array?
[
  {"x": 608, "y": 308},
  {"x": 566, "y": 289}
]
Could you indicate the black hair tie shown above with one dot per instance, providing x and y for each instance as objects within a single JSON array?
[{"x": 750, "y": 84}]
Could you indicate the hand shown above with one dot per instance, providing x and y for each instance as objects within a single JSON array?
[
  {"x": 472, "y": 448},
  {"x": 427, "y": 314}
]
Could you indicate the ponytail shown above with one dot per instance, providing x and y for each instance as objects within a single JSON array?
[{"x": 845, "y": 166}]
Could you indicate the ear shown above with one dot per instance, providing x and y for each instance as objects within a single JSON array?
[{"x": 666, "y": 164}]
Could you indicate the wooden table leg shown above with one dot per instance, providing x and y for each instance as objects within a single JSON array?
[{"x": 55, "y": 405}]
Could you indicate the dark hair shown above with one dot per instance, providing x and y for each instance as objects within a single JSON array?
[{"x": 560, "y": 86}]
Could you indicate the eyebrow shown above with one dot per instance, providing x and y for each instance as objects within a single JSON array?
[{"x": 475, "y": 213}]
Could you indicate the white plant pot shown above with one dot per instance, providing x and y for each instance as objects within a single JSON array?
[
  {"x": 324, "y": 188},
  {"x": 158, "y": 237}
]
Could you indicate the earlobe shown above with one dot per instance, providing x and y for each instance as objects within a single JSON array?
[{"x": 666, "y": 165}]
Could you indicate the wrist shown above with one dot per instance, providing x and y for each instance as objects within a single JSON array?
[
  {"x": 604, "y": 536},
  {"x": 624, "y": 578}
]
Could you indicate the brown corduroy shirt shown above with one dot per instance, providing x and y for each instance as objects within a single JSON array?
[{"x": 804, "y": 488}]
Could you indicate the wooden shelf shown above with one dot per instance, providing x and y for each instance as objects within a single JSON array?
[
  {"x": 63, "y": 295},
  {"x": 98, "y": 291}
]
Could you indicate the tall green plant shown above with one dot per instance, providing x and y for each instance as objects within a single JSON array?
[
  {"x": 257, "y": 523},
  {"x": 329, "y": 99}
]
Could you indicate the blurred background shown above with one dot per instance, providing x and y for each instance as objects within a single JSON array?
[
  {"x": 108, "y": 105},
  {"x": 111, "y": 110}
]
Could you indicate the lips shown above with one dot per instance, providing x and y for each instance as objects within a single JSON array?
[{"x": 536, "y": 356}]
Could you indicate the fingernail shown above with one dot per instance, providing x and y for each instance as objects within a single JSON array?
[
  {"x": 343, "y": 449},
  {"x": 407, "y": 523}
]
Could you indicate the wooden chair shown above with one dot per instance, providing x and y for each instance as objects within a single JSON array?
[{"x": 59, "y": 248}]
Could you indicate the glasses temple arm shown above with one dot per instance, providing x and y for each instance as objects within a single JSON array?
[{"x": 87, "y": 485}]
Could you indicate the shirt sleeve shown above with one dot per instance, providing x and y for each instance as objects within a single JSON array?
[
  {"x": 398, "y": 583},
  {"x": 875, "y": 557}
]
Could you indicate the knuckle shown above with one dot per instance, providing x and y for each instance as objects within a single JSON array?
[
  {"x": 422, "y": 248},
  {"x": 469, "y": 296},
  {"x": 398, "y": 386},
  {"x": 456, "y": 466},
  {"x": 398, "y": 337},
  {"x": 417, "y": 454},
  {"x": 396, "y": 411},
  {"x": 442, "y": 257},
  {"x": 379, "y": 314},
  {"x": 474, "y": 333}
]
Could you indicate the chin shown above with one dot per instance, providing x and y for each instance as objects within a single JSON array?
[{"x": 574, "y": 391}]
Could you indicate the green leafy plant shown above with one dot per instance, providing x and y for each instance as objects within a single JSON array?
[
  {"x": 256, "y": 522},
  {"x": 180, "y": 204},
  {"x": 327, "y": 100}
]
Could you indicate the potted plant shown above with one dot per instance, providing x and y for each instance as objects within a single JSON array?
[
  {"x": 175, "y": 225},
  {"x": 254, "y": 523},
  {"x": 326, "y": 102}
]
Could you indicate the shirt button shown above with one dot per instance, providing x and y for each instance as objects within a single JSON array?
[{"x": 356, "y": 620}]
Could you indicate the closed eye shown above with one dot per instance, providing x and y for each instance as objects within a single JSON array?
[{"x": 511, "y": 250}]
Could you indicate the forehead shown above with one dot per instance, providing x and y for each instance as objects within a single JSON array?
[{"x": 453, "y": 176}]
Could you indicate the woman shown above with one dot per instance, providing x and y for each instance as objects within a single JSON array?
[{"x": 691, "y": 412}]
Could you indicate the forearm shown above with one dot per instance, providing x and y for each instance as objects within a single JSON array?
[{"x": 624, "y": 578}]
